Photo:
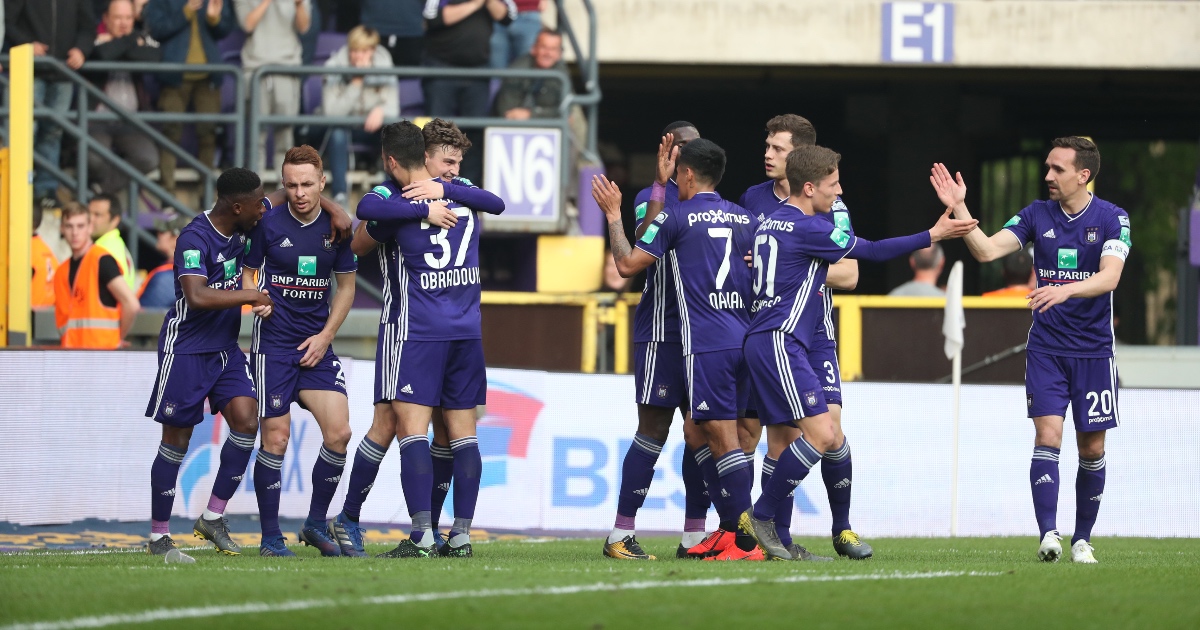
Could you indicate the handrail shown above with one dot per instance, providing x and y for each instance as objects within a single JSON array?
[{"x": 589, "y": 67}]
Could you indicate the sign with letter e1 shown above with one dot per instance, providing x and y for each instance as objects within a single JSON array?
[
  {"x": 918, "y": 32},
  {"x": 523, "y": 165}
]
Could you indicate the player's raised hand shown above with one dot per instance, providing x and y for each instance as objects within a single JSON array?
[
  {"x": 948, "y": 227},
  {"x": 667, "y": 154},
  {"x": 951, "y": 191},
  {"x": 314, "y": 349},
  {"x": 426, "y": 189},
  {"x": 441, "y": 215},
  {"x": 608, "y": 196}
]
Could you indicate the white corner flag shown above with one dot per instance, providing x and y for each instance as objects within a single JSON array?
[{"x": 953, "y": 323}]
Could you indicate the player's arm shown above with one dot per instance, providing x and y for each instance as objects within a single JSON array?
[
  {"x": 375, "y": 206},
  {"x": 1097, "y": 284},
  {"x": 952, "y": 191},
  {"x": 452, "y": 14},
  {"x": 469, "y": 196},
  {"x": 128, "y": 302},
  {"x": 363, "y": 243},
  {"x": 201, "y": 297},
  {"x": 843, "y": 275},
  {"x": 667, "y": 154},
  {"x": 317, "y": 345},
  {"x": 946, "y": 228},
  {"x": 629, "y": 260}
]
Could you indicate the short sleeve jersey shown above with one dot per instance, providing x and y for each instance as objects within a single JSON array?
[
  {"x": 657, "y": 314},
  {"x": 704, "y": 239},
  {"x": 791, "y": 256},
  {"x": 431, "y": 284},
  {"x": 1066, "y": 249},
  {"x": 295, "y": 262},
  {"x": 203, "y": 251}
]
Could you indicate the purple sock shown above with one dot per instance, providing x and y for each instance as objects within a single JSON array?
[
  {"x": 695, "y": 498},
  {"x": 793, "y": 467},
  {"x": 750, "y": 465},
  {"x": 235, "y": 458},
  {"x": 1043, "y": 481},
  {"x": 736, "y": 479},
  {"x": 362, "y": 476},
  {"x": 837, "y": 472},
  {"x": 163, "y": 475},
  {"x": 783, "y": 513},
  {"x": 468, "y": 466},
  {"x": 416, "y": 473},
  {"x": 712, "y": 481},
  {"x": 443, "y": 474},
  {"x": 326, "y": 475},
  {"x": 637, "y": 473},
  {"x": 268, "y": 486},
  {"x": 1089, "y": 489}
]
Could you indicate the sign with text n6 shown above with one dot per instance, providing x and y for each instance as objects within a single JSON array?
[
  {"x": 918, "y": 32},
  {"x": 523, "y": 165}
]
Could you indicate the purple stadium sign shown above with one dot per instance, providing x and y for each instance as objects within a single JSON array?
[{"x": 523, "y": 165}]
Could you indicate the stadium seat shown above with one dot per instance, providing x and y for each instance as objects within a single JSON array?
[
  {"x": 327, "y": 44},
  {"x": 310, "y": 94},
  {"x": 231, "y": 47},
  {"x": 412, "y": 98}
]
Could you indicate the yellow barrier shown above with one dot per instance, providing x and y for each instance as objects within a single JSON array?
[{"x": 18, "y": 329}]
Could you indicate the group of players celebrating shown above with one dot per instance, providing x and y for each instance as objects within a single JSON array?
[
  {"x": 738, "y": 347},
  {"x": 422, "y": 223}
]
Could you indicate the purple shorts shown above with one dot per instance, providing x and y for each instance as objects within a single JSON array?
[
  {"x": 714, "y": 390},
  {"x": 822, "y": 358},
  {"x": 1089, "y": 385},
  {"x": 280, "y": 379},
  {"x": 785, "y": 386},
  {"x": 447, "y": 374},
  {"x": 747, "y": 407},
  {"x": 658, "y": 374},
  {"x": 185, "y": 380}
]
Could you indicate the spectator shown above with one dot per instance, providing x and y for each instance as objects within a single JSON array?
[
  {"x": 458, "y": 35},
  {"x": 509, "y": 42},
  {"x": 106, "y": 231},
  {"x": 610, "y": 279},
  {"x": 927, "y": 267},
  {"x": 120, "y": 42},
  {"x": 400, "y": 27},
  {"x": 69, "y": 26},
  {"x": 93, "y": 307},
  {"x": 273, "y": 29},
  {"x": 158, "y": 289},
  {"x": 522, "y": 99},
  {"x": 188, "y": 31},
  {"x": 1017, "y": 268},
  {"x": 44, "y": 262},
  {"x": 373, "y": 96}
]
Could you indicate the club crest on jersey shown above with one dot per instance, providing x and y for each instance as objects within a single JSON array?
[
  {"x": 169, "y": 409},
  {"x": 810, "y": 398},
  {"x": 327, "y": 242},
  {"x": 1093, "y": 234},
  {"x": 276, "y": 401},
  {"x": 662, "y": 391}
]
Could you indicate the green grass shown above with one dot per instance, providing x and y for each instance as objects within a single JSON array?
[{"x": 1142, "y": 583}]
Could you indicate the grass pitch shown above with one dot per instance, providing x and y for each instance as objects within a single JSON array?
[{"x": 910, "y": 583}]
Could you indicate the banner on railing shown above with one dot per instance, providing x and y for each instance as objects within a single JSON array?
[
  {"x": 76, "y": 445},
  {"x": 523, "y": 165}
]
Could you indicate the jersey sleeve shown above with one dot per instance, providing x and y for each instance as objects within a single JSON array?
[
  {"x": 345, "y": 261},
  {"x": 190, "y": 256},
  {"x": 641, "y": 203},
  {"x": 1117, "y": 239},
  {"x": 257, "y": 249},
  {"x": 888, "y": 248},
  {"x": 384, "y": 203},
  {"x": 473, "y": 198},
  {"x": 381, "y": 231},
  {"x": 1021, "y": 225},
  {"x": 840, "y": 215},
  {"x": 826, "y": 242},
  {"x": 659, "y": 236}
]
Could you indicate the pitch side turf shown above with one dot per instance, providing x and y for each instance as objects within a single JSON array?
[{"x": 910, "y": 583}]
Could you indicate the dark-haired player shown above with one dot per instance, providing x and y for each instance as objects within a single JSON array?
[
  {"x": 296, "y": 258},
  {"x": 701, "y": 237},
  {"x": 1080, "y": 245}
]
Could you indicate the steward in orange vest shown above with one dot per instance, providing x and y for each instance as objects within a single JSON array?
[
  {"x": 93, "y": 305},
  {"x": 44, "y": 263}
]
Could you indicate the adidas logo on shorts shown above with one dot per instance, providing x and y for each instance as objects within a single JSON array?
[
  {"x": 287, "y": 242},
  {"x": 1043, "y": 479},
  {"x": 703, "y": 406},
  {"x": 844, "y": 483},
  {"x": 407, "y": 389},
  {"x": 275, "y": 486}
]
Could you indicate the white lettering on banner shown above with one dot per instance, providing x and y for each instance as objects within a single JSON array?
[
  {"x": 552, "y": 446},
  {"x": 523, "y": 167}
]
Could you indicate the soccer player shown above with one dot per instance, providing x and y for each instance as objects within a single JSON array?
[
  {"x": 1080, "y": 246},
  {"x": 430, "y": 344},
  {"x": 784, "y": 133},
  {"x": 296, "y": 258},
  {"x": 700, "y": 238},
  {"x": 791, "y": 255},
  {"x": 659, "y": 385},
  {"x": 198, "y": 357}
]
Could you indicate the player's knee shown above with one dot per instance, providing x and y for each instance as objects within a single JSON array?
[
  {"x": 338, "y": 437},
  {"x": 655, "y": 428}
]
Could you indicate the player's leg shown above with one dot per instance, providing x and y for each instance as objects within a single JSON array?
[
  {"x": 367, "y": 457},
  {"x": 164, "y": 474},
  {"x": 331, "y": 410},
  {"x": 1094, "y": 403},
  {"x": 696, "y": 440},
  {"x": 416, "y": 477},
  {"x": 443, "y": 472},
  {"x": 750, "y": 432},
  {"x": 464, "y": 389},
  {"x": 275, "y": 377},
  {"x": 1046, "y": 396},
  {"x": 696, "y": 499},
  {"x": 837, "y": 468}
]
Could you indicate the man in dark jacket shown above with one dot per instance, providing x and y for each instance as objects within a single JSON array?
[
  {"x": 121, "y": 42},
  {"x": 177, "y": 24},
  {"x": 62, "y": 29}
]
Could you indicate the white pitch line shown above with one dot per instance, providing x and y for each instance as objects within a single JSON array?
[{"x": 169, "y": 614}]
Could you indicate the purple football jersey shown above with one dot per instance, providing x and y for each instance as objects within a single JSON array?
[
  {"x": 704, "y": 239},
  {"x": 203, "y": 251},
  {"x": 295, "y": 262},
  {"x": 657, "y": 314},
  {"x": 1067, "y": 248}
]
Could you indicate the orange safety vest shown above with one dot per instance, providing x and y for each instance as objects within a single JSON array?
[
  {"x": 44, "y": 262},
  {"x": 1009, "y": 292},
  {"x": 159, "y": 269},
  {"x": 83, "y": 320}
]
